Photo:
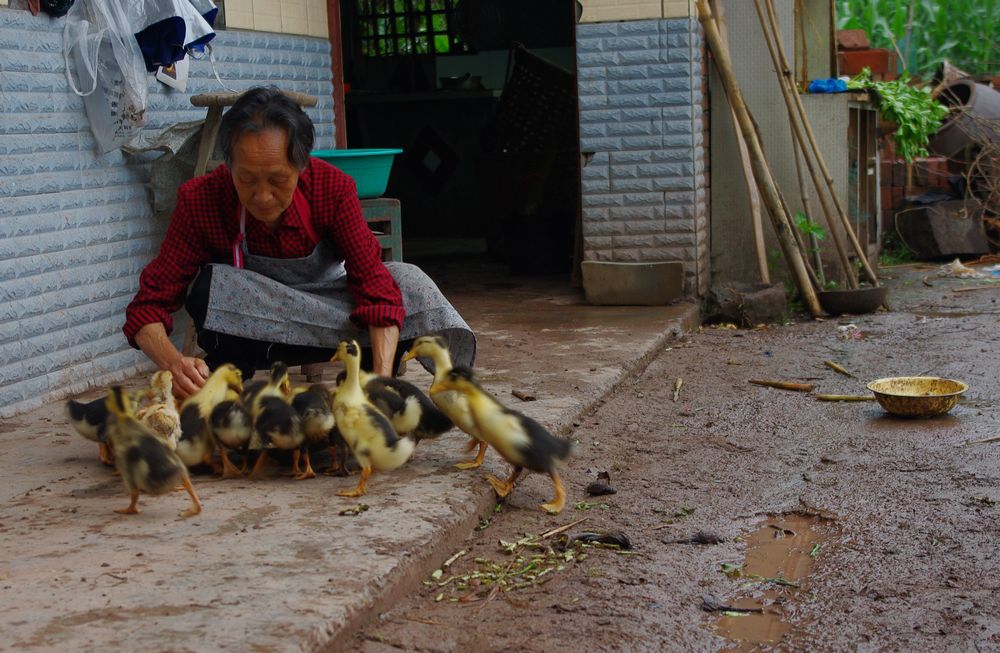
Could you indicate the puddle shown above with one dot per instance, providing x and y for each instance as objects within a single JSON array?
[{"x": 779, "y": 557}]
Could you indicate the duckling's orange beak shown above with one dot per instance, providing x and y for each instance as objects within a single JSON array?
[
  {"x": 408, "y": 356},
  {"x": 336, "y": 357}
]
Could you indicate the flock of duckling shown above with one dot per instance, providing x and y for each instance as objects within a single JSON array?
[{"x": 152, "y": 442}]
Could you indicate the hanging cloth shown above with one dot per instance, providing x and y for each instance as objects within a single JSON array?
[{"x": 167, "y": 29}]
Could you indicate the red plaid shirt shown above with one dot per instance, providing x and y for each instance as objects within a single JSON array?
[{"x": 205, "y": 224}]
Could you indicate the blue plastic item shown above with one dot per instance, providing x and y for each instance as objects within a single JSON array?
[
  {"x": 831, "y": 85},
  {"x": 369, "y": 168}
]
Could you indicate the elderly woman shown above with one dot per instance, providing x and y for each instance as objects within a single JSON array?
[{"x": 286, "y": 265}]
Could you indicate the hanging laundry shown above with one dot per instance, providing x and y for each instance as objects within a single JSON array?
[{"x": 167, "y": 29}]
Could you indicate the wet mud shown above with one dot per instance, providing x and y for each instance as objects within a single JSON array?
[{"x": 872, "y": 532}]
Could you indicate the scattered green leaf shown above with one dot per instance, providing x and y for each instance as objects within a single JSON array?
[
  {"x": 815, "y": 550},
  {"x": 732, "y": 570}
]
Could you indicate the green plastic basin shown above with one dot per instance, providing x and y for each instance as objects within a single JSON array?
[{"x": 369, "y": 168}]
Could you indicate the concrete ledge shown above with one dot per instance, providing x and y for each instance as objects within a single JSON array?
[
  {"x": 79, "y": 577},
  {"x": 632, "y": 284}
]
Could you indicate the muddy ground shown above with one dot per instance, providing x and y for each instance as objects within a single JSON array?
[{"x": 892, "y": 525}]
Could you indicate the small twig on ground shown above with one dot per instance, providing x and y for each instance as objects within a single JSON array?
[
  {"x": 677, "y": 389},
  {"x": 425, "y": 621},
  {"x": 971, "y": 288},
  {"x": 523, "y": 396},
  {"x": 983, "y": 441},
  {"x": 838, "y": 369},
  {"x": 783, "y": 385},
  {"x": 844, "y": 398},
  {"x": 561, "y": 529}
]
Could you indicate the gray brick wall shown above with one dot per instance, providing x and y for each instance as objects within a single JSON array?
[
  {"x": 76, "y": 228},
  {"x": 641, "y": 104}
]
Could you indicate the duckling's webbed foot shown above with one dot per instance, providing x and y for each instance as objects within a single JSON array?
[
  {"x": 229, "y": 470},
  {"x": 503, "y": 488},
  {"x": 133, "y": 508},
  {"x": 258, "y": 469},
  {"x": 360, "y": 489},
  {"x": 104, "y": 454},
  {"x": 473, "y": 464},
  {"x": 555, "y": 506},
  {"x": 195, "y": 503},
  {"x": 308, "y": 472},
  {"x": 296, "y": 456}
]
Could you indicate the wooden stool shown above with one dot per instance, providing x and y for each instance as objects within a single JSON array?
[{"x": 216, "y": 102}]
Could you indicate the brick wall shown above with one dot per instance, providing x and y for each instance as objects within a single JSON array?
[
  {"x": 76, "y": 228},
  {"x": 641, "y": 113}
]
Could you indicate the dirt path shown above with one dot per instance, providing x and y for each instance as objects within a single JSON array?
[{"x": 888, "y": 528}]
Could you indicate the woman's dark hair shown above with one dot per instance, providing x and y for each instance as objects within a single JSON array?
[{"x": 262, "y": 108}]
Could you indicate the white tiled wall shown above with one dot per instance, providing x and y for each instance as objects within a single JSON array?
[
  {"x": 306, "y": 17},
  {"x": 602, "y": 11}
]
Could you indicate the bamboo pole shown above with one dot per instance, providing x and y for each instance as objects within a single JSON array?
[
  {"x": 862, "y": 256},
  {"x": 779, "y": 220},
  {"x": 756, "y": 221},
  {"x": 794, "y": 119}
]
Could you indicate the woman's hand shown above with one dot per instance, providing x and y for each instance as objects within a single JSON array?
[
  {"x": 189, "y": 375},
  {"x": 189, "y": 372}
]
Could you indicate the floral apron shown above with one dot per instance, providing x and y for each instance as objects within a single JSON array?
[{"x": 306, "y": 301}]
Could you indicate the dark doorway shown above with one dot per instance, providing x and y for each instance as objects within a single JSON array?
[{"x": 481, "y": 96}]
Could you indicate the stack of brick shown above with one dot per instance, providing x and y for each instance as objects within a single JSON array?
[{"x": 854, "y": 54}]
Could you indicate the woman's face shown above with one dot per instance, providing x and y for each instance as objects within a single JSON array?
[{"x": 265, "y": 179}]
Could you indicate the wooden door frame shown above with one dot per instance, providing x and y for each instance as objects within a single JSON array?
[{"x": 335, "y": 37}]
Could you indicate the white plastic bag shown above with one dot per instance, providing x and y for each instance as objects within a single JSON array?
[{"x": 109, "y": 64}]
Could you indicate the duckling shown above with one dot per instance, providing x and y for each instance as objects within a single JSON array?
[
  {"x": 161, "y": 414},
  {"x": 274, "y": 419},
  {"x": 231, "y": 428},
  {"x": 89, "y": 420},
  {"x": 452, "y": 403},
  {"x": 522, "y": 441},
  {"x": 145, "y": 462},
  {"x": 367, "y": 432},
  {"x": 408, "y": 409},
  {"x": 313, "y": 405},
  {"x": 196, "y": 443}
]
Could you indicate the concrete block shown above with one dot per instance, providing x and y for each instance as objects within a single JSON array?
[{"x": 636, "y": 284}]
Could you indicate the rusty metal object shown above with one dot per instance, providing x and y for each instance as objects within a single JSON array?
[
  {"x": 917, "y": 396},
  {"x": 973, "y": 107}
]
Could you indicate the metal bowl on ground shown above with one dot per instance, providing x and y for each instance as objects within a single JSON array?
[
  {"x": 917, "y": 396},
  {"x": 857, "y": 301}
]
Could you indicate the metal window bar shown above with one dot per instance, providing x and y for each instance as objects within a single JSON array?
[{"x": 394, "y": 27}]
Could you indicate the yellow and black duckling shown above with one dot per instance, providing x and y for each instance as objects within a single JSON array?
[
  {"x": 231, "y": 428},
  {"x": 161, "y": 413},
  {"x": 312, "y": 403},
  {"x": 89, "y": 419},
  {"x": 367, "y": 431},
  {"x": 522, "y": 441},
  {"x": 409, "y": 410},
  {"x": 275, "y": 422},
  {"x": 145, "y": 462},
  {"x": 196, "y": 444},
  {"x": 451, "y": 402}
]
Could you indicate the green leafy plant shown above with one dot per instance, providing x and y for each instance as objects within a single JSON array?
[
  {"x": 814, "y": 230},
  {"x": 918, "y": 115},
  {"x": 808, "y": 227}
]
